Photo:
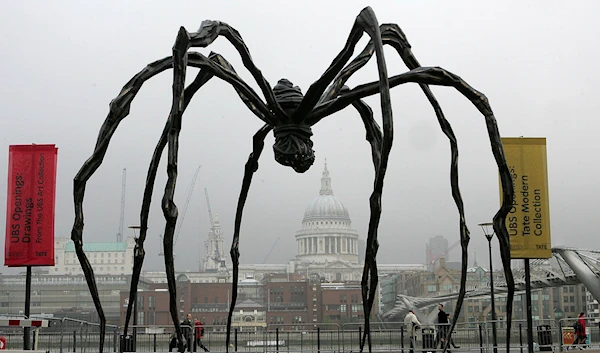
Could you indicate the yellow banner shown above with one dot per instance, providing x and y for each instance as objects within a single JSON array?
[{"x": 528, "y": 222}]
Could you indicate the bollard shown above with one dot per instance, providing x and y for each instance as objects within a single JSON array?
[
  {"x": 195, "y": 347},
  {"x": 318, "y": 340},
  {"x": 480, "y": 338},
  {"x": 115, "y": 338},
  {"x": 34, "y": 344},
  {"x": 277, "y": 339},
  {"x": 134, "y": 339},
  {"x": 402, "y": 338},
  {"x": 62, "y": 329},
  {"x": 560, "y": 333},
  {"x": 359, "y": 336},
  {"x": 235, "y": 338},
  {"x": 154, "y": 342},
  {"x": 521, "y": 337}
]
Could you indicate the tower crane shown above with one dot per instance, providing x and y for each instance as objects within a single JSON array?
[
  {"x": 444, "y": 253},
  {"x": 122, "y": 219},
  {"x": 210, "y": 217},
  {"x": 270, "y": 251},
  {"x": 185, "y": 207}
]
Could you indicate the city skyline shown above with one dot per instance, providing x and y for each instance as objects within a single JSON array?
[{"x": 533, "y": 88}]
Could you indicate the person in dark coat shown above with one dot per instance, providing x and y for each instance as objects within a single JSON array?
[{"x": 186, "y": 330}]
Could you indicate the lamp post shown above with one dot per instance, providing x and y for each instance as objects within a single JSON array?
[
  {"x": 488, "y": 231},
  {"x": 135, "y": 300}
]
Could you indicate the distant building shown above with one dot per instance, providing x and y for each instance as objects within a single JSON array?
[
  {"x": 290, "y": 300},
  {"x": 326, "y": 235},
  {"x": 434, "y": 250},
  {"x": 65, "y": 295},
  {"x": 322, "y": 282},
  {"x": 110, "y": 258},
  {"x": 62, "y": 290},
  {"x": 327, "y": 247},
  {"x": 214, "y": 249},
  {"x": 550, "y": 303},
  {"x": 593, "y": 309}
]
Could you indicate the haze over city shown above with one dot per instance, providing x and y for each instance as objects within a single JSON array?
[{"x": 63, "y": 62}]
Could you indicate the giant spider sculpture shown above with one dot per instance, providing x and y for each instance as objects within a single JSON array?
[{"x": 290, "y": 115}]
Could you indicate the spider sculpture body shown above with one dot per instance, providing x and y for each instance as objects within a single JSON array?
[{"x": 290, "y": 115}]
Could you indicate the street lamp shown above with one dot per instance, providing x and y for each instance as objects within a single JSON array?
[
  {"x": 135, "y": 300},
  {"x": 488, "y": 231}
]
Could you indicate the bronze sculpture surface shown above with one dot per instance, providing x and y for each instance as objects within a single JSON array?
[{"x": 290, "y": 115}]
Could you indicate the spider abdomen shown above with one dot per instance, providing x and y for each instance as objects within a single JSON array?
[{"x": 293, "y": 146}]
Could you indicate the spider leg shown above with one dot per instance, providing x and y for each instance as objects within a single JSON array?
[
  {"x": 251, "y": 167},
  {"x": 258, "y": 142},
  {"x": 365, "y": 22},
  {"x": 180, "y": 56},
  {"x": 439, "y": 76},
  {"x": 374, "y": 135},
  {"x": 250, "y": 103},
  {"x": 89, "y": 277},
  {"x": 119, "y": 110},
  {"x": 170, "y": 211},
  {"x": 388, "y": 36},
  {"x": 393, "y": 35},
  {"x": 225, "y": 72},
  {"x": 202, "y": 78},
  {"x": 210, "y": 30},
  {"x": 375, "y": 138}
]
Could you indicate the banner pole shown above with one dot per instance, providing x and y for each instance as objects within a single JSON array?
[
  {"x": 528, "y": 303},
  {"x": 27, "y": 330}
]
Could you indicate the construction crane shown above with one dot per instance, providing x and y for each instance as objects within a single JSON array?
[
  {"x": 217, "y": 256},
  {"x": 122, "y": 220},
  {"x": 444, "y": 253},
  {"x": 270, "y": 251},
  {"x": 185, "y": 207},
  {"x": 210, "y": 217}
]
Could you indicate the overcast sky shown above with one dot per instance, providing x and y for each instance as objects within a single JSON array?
[{"x": 62, "y": 62}]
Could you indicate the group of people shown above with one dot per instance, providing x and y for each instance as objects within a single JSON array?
[
  {"x": 186, "y": 328},
  {"x": 413, "y": 325},
  {"x": 410, "y": 321}
]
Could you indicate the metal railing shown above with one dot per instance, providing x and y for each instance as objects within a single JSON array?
[{"x": 71, "y": 335}]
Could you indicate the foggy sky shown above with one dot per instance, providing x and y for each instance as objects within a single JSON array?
[{"x": 63, "y": 62}]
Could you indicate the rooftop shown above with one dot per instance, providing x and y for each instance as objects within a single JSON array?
[{"x": 98, "y": 247}]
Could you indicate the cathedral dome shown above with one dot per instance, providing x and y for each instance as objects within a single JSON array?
[
  {"x": 326, "y": 235},
  {"x": 326, "y": 206}
]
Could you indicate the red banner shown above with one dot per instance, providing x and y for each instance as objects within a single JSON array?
[{"x": 30, "y": 205}]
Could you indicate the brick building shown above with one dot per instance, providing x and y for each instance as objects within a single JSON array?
[{"x": 290, "y": 300}]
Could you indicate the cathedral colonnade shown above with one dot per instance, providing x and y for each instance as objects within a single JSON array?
[{"x": 326, "y": 235}]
